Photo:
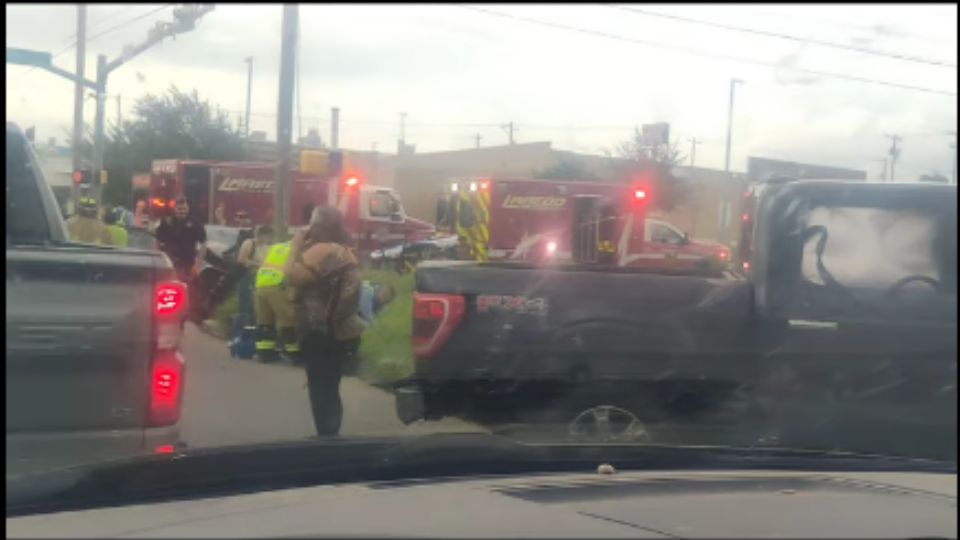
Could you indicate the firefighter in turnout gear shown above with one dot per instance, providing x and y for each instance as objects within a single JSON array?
[
  {"x": 85, "y": 227},
  {"x": 274, "y": 308}
]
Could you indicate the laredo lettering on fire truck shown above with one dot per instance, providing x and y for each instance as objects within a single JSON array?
[
  {"x": 217, "y": 190},
  {"x": 568, "y": 221}
]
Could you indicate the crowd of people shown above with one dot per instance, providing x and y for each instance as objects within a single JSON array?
[{"x": 301, "y": 299}]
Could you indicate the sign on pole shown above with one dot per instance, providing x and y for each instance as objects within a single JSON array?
[
  {"x": 656, "y": 134},
  {"x": 27, "y": 57}
]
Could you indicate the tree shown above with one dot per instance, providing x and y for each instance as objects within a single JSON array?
[
  {"x": 176, "y": 125},
  {"x": 640, "y": 155},
  {"x": 566, "y": 168},
  {"x": 934, "y": 177}
]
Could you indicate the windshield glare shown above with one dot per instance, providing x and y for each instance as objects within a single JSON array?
[{"x": 598, "y": 224}]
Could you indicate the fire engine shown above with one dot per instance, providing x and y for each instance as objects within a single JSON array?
[
  {"x": 217, "y": 190},
  {"x": 566, "y": 220}
]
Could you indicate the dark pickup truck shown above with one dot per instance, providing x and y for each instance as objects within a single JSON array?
[
  {"x": 93, "y": 363},
  {"x": 877, "y": 335}
]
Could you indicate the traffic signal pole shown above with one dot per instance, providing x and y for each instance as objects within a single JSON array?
[{"x": 78, "y": 98}]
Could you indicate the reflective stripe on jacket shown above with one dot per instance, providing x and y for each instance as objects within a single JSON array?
[{"x": 270, "y": 273}]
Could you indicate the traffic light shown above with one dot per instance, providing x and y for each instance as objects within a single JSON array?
[{"x": 82, "y": 177}]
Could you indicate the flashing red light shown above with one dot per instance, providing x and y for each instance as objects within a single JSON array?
[
  {"x": 164, "y": 449},
  {"x": 723, "y": 254},
  {"x": 159, "y": 202},
  {"x": 484, "y": 185},
  {"x": 746, "y": 265},
  {"x": 745, "y": 217},
  {"x": 639, "y": 194},
  {"x": 77, "y": 177},
  {"x": 170, "y": 298},
  {"x": 172, "y": 204},
  {"x": 352, "y": 181}
]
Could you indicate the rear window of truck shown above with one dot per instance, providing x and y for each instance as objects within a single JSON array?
[{"x": 26, "y": 219}]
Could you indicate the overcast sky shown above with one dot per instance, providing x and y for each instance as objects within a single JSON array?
[{"x": 458, "y": 72}]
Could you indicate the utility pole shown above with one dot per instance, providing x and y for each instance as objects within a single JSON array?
[
  {"x": 246, "y": 122},
  {"x": 478, "y": 140},
  {"x": 733, "y": 88},
  {"x": 335, "y": 128},
  {"x": 894, "y": 153},
  {"x": 693, "y": 150},
  {"x": 509, "y": 128},
  {"x": 288, "y": 50},
  {"x": 185, "y": 20},
  {"x": 78, "y": 96},
  {"x": 119, "y": 112}
]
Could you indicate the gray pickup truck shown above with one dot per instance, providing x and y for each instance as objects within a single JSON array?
[{"x": 94, "y": 369}]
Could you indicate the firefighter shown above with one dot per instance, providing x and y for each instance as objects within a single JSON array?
[
  {"x": 113, "y": 221},
  {"x": 85, "y": 227},
  {"x": 273, "y": 307}
]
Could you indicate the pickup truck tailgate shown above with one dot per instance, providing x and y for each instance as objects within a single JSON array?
[{"x": 79, "y": 331}]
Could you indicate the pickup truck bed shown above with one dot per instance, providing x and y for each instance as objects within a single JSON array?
[
  {"x": 83, "y": 339},
  {"x": 533, "y": 339}
]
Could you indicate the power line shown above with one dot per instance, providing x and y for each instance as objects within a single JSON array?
[
  {"x": 863, "y": 50},
  {"x": 699, "y": 52}
]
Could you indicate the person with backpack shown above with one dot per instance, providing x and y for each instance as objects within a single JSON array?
[{"x": 326, "y": 276}]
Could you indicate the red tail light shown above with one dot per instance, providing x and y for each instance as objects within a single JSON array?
[
  {"x": 170, "y": 298},
  {"x": 435, "y": 316},
  {"x": 167, "y": 371},
  {"x": 723, "y": 254},
  {"x": 166, "y": 388}
]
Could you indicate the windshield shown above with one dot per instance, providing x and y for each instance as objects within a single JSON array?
[{"x": 684, "y": 226}]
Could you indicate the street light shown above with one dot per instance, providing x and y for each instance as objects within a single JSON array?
[{"x": 733, "y": 86}]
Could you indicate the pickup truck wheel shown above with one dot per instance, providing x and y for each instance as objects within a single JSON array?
[{"x": 607, "y": 423}]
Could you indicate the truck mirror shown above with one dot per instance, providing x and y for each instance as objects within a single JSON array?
[{"x": 686, "y": 238}]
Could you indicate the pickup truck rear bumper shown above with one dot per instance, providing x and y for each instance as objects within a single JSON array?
[{"x": 29, "y": 452}]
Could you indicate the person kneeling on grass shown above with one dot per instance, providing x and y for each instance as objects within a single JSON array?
[{"x": 373, "y": 298}]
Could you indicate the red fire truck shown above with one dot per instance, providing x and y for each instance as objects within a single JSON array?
[
  {"x": 217, "y": 190},
  {"x": 563, "y": 220}
]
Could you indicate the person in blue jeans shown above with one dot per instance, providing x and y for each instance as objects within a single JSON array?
[
  {"x": 373, "y": 298},
  {"x": 250, "y": 257}
]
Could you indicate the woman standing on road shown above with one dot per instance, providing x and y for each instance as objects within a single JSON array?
[{"x": 327, "y": 280}]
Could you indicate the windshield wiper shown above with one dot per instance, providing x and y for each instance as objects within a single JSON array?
[{"x": 231, "y": 470}]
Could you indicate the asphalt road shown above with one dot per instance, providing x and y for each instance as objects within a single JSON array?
[{"x": 230, "y": 401}]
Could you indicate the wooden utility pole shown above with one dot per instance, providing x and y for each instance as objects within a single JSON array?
[
  {"x": 78, "y": 96},
  {"x": 894, "y": 153},
  {"x": 693, "y": 150},
  {"x": 288, "y": 48},
  {"x": 510, "y": 128},
  {"x": 477, "y": 138}
]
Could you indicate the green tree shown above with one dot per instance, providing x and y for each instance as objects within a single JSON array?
[
  {"x": 175, "y": 125},
  {"x": 566, "y": 168},
  {"x": 641, "y": 156}
]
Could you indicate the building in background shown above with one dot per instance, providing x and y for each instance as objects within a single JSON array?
[{"x": 57, "y": 164}]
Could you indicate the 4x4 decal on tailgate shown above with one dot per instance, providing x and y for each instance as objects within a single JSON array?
[{"x": 515, "y": 304}]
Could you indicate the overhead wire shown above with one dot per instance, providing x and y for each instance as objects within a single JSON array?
[
  {"x": 700, "y": 52},
  {"x": 778, "y": 35}
]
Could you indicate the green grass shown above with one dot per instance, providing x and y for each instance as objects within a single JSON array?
[
  {"x": 385, "y": 352},
  {"x": 385, "y": 355}
]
